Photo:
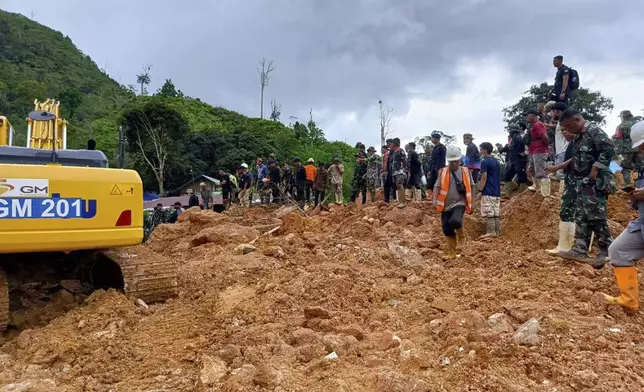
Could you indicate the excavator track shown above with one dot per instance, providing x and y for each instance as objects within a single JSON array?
[
  {"x": 4, "y": 300},
  {"x": 147, "y": 275}
]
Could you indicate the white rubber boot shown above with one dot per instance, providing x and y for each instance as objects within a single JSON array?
[
  {"x": 562, "y": 239},
  {"x": 536, "y": 185},
  {"x": 569, "y": 239},
  {"x": 545, "y": 187}
]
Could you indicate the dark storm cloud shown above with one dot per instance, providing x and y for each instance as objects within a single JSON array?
[{"x": 337, "y": 56}]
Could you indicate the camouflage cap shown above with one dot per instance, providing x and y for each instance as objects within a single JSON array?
[
  {"x": 371, "y": 148},
  {"x": 359, "y": 145},
  {"x": 468, "y": 135}
]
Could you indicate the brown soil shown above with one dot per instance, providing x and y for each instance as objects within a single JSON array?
[{"x": 364, "y": 282}]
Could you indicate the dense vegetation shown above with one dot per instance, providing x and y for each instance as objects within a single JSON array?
[{"x": 37, "y": 62}]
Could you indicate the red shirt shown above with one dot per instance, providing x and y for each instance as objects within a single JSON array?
[{"x": 537, "y": 146}]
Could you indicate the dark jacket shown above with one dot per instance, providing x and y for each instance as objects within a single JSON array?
[
  {"x": 288, "y": 177},
  {"x": 398, "y": 160},
  {"x": 300, "y": 175},
  {"x": 275, "y": 175},
  {"x": 517, "y": 150},
  {"x": 415, "y": 167},
  {"x": 321, "y": 180},
  {"x": 439, "y": 154}
]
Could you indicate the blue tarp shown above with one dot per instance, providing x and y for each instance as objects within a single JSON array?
[
  {"x": 615, "y": 167},
  {"x": 147, "y": 196}
]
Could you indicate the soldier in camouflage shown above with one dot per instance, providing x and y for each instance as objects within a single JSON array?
[
  {"x": 359, "y": 175},
  {"x": 592, "y": 152},
  {"x": 373, "y": 164},
  {"x": 629, "y": 159}
]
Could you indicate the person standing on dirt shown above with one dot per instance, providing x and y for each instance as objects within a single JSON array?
[
  {"x": 178, "y": 210},
  {"x": 288, "y": 180},
  {"x": 300, "y": 181},
  {"x": 320, "y": 184},
  {"x": 226, "y": 187},
  {"x": 625, "y": 154},
  {"x": 359, "y": 184},
  {"x": 245, "y": 183},
  {"x": 311, "y": 173},
  {"x": 274, "y": 180},
  {"x": 373, "y": 165},
  {"x": 262, "y": 175},
  {"x": 398, "y": 168},
  {"x": 438, "y": 160},
  {"x": 206, "y": 196},
  {"x": 193, "y": 200},
  {"x": 386, "y": 173},
  {"x": 415, "y": 172},
  {"x": 490, "y": 191},
  {"x": 561, "y": 142},
  {"x": 592, "y": 152},
  {"x": 628, "y": 247},
  {"x": 539, "y": 153},
  {"x": 452, "y": 197},
  {"x": 473, "y": 158},
  {"x": 568, "y": 199},
  {"x": 517, "y": 162},
  {"x": 337, "y": 172}
]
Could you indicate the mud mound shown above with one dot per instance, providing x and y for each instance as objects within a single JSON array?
[
  {"x": 531, "y": 220},
  {"x": 619, "y": 209},
  {"x": 348, "y": 301}
]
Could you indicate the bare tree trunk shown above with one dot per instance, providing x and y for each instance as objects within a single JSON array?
[
  {"x": 160, "y": 183},
  {"x": 261, "y": 115},
  {"x": 385, "y": 122}
]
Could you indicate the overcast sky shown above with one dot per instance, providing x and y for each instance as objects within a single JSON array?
[{"x": 447, "y": 65}]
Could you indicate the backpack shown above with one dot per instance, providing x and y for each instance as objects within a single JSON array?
[{"x": 573, "y": 79}]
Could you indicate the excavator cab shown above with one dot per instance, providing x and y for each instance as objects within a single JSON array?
[{"x": 54, "y": 200}]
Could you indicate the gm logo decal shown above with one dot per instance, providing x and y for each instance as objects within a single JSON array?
[{"x": 24, "y": 187}]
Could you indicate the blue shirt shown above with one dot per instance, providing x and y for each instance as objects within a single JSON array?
[
  {"x": 262, "y": 172},
  {"x": 490, "y": 165}
]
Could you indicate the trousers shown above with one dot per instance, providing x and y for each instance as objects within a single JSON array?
[{"x": 452, "y": 220}]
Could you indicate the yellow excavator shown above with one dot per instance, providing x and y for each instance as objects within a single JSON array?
[{"x": 66, "y": 212}]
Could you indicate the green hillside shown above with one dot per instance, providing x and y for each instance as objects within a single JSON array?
[{"x": 37, "y": 62}]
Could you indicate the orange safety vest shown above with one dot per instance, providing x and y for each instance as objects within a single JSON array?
[{"x": 445, "y": 178}]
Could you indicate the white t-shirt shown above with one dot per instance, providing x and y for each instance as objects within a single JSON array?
[{"x": 561, "y": 144}]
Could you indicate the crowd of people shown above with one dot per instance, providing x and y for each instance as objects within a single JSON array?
[{"x": 553, "y": 143}]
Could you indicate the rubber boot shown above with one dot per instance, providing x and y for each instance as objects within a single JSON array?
[
  {"x": 536, "y": 185},
  {"x": 497, "y": 225},
  {"x": 401, "y": 198},
  {"x": 509, "y": 188},
  {"x": 569, "y": 229},
  {"x": 460, "y": 240},
  {"x": 418, "y": 195},
  {"x": 601, "y": 259},
  {"x": 562, "y": 240},
  {"x": 545, "y": 187},
  {"x": 372, "y": 195},
  {"x": 450, "y": 249},
  {"x": 408, "y": 193},
  {"x": 522, "y": 187},
  {"x": 628, "y": 289},
  {"x": 490, "y": 225}
]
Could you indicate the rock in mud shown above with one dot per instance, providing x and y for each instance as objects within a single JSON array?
[
  {"x": 527, "y": 334},
  {"x": 405, "y": 256},
  {"x": 500, "y": 323},
  {"x": 244, "y": 249},
  {"x": 396, "y": 382},
  {"x": 268, "y": 377},
  {"x": 213, "y": 369},
  {"x": 405, "y": 216}
]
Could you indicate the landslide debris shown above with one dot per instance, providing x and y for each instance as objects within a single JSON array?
[{"x": 354, "y": 299}]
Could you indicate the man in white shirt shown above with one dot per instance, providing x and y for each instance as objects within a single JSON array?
[{"x": 561, "y": 144}]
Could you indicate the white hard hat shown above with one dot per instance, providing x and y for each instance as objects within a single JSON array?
[
  {"x": 453, "y": 154},
  {"x": 637, "y": 134},
  {"x": 202, "y": 184},
  {"x": 244, "y": 165}
]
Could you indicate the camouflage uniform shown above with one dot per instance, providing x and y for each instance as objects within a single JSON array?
[
  {"x": 359, "y": 181},
  {"x": 623, "y": 144},
  {"x": 152, "y": 221},
  {"x": 568, "y": 198},
  {"x": 591, "y": 149},
  {"x": 373, "y": 162}
]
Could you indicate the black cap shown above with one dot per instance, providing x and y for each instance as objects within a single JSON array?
[
  {"x": 436, "y": 135},
  {"x": 531, "y": 111},
  {"x": 560, "y": 106},
  {"x": 297, "y": 159}
]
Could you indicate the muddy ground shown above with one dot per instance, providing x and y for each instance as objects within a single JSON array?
[{"x": 355, "y": 299}]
